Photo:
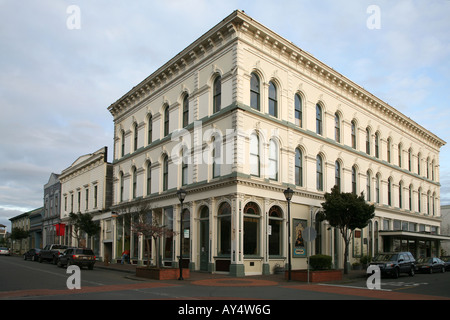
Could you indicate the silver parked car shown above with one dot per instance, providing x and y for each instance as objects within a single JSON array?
[{"x": 4, "y": 251}]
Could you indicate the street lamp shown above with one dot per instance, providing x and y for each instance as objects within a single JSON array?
[
  {"x": 288, "y": 194},
  {"x": 181, "y": 194}
]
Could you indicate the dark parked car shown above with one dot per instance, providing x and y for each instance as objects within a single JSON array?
[
  {"x": 430, "y": 265},
  {"x": 81, "y": 257},
  {"x": 32, "y": 254},
  {"x": 392, "y": 264},
  {"x": 446, "y": 260}
]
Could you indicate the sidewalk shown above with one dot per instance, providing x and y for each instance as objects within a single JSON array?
[{"x": 200, "y": 276}]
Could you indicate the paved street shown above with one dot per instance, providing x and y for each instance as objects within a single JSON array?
[{"x": 26, "y": 280}]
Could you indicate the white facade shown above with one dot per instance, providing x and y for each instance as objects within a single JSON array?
[
  {"x": 285, "y": 120},
  {"x": 86, "y": 188}
]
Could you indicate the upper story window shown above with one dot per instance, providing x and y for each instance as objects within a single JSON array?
[
  {"x": 166, "y": 121},
  {"x": 122, "y": 140},
  {"x": 273, "y": 102},
  {"x": 135, "y": 129},
  {"x": 337, "y": 128},
  {"x": 298, "y": 167},
  {"x": 185, "y": 110},
  {"x": 255, "y": 92},
  {"x": 254, "y": 155},
  {"x": 150, "y": 129},
  {"x": 353, "y": 133},
  {"x": 298, "y": 110},
  {"x": 217, "y": 94},
  {"x": 165, "y": 173},
  {"x": 319, "y": 119},
  {"x": 337, "y": 175},
  {"x": 319, "y": 173},
  {"x": 377, "y": 145},
  {"x": 367, "y": 140},
  {"x": 389, "y": 142},
  {"x": 273, "y": 160}
]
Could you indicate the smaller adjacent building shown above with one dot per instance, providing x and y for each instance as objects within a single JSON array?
[
  {"x": 30, "y": 222},
  {"x": 86, "y": 188},
  {"x": 51, "y": 218}
]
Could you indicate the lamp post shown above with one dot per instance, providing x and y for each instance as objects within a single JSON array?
[
  {"x": 288, "y": 194},
  {"x": 181, "y": 194}
]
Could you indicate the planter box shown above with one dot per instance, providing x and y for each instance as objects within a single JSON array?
[
  {"x": 161, "y": 273},
  {"x": 315, "y": 275}
]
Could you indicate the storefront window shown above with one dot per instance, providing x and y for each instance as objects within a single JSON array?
[
  {"x": 251, "y": 229},
  {"x": 275, "y": 223},
  {"x": 186, "y": 233},
  {"x": 224, "y": 228}
]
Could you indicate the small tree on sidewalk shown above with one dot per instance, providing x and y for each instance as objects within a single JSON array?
[
  {"x": 82, "y": 222},
  {"x": 347, "y": 212}
]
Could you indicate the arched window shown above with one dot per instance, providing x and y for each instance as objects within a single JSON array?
[
  {"x": 298, "y": 110},
  {"x": 298, "y": 167},
  {"x": 150, "y": 129},
  {"x": 410, "y": 159},
  {"x": 224, "y": 228},
  {"x": 410, "y": 195},
  {"x": 134, "y": 183},
  {"x": 149, "y": 178},
  {"x": 368, "y": 187},
  {"x": 273, "y": 160},
  {"x": 217, "y": 94},
  {"x": 216, "y": 156},
  {"x": 184, "y": 166},
  {"x": 166, "y": 121},
  {"x": 389, "y": 142},
  {"x": 354, "y": 180},
  {"x": 390, "y": 191},
  {"x": 273, "y": 102},
  {"x": 377, "y": 145},
  {"x": 255, "y": 92},
  {"x": 319, "y": 173},
  {"x": 377, "y": 189},
  {"x": 337, "y": 128},
  {"x": 135, "y": 129},
  {"x": 367, "y": 140},
  {"x": 254, "y": 155},
  {"x": 400, "y": 155},
  {"x": 121, "y": 181},
  {"x": 400, "y": 195},
  {"x": 276, "y": 235},
  {"x": 337, "y": 175},
  {"x": 319, "y": 119},
  {"x": 165, "y": 173},
  {"x": 353, "y": 133},
  {"x": 122, "y": 140},
  {"x": 185, "y": 110},
  {"x": 252, "y": 218},
  {"x": 419, "y": 200}
]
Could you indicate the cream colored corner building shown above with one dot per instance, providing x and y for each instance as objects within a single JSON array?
[{"x": 239, "y": 116}]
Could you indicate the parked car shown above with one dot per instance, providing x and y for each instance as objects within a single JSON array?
[
  {"x": 446, "y": 260},
  {"x": 81, "y": 257},
  {"x": 430, "y": 265},
  {"x": 32, "y": 254},
  {"x": 51, "y": 252},
  {"x": 4, "y": 251},
  {"x": 392, "y": 264}
]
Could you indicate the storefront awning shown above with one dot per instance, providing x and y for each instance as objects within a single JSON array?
[{"x": 414, "y": 235}]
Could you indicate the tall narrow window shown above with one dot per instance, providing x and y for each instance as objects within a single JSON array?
[
  {"x": 400, "y": 195},
  {"x": 400, "y": 155},
  {"x": 354, "y": 177},
  {"x": 389, "y": 142},
  {"x": 224, "y": 228},
  {"x": 217, "y": 94},
  {"x": 377, "y": 189},
  {"x": 319, "y": 173},
  {"x": 216, "y": 157},
  {"x": 275, "y": 237},
  {"x": 298, "y": 110},
  {"x": 252, "y": 219},
  {"x": 135, "y": 137},
  {"x": 150, "y": 129},
  {"x": 368, "y": 187},
  {"x": 134, "y": 183},
  {"x": 410, "y": 159},
  {"x": 184, "y": 167},
  {"x": 298, "y": 168},
  {"x": 149, "y": 178},
  {"x": 367, "y": 141},
  {"x": 254, "y": 155},
  {"x": 254, "y": 92},
  {"x": 273, "y": 103},
  {"x": 165, "y": 173},
  {"x": 185, "y": 110},
  {"x": 410, "y": 195},
  {"x": 337, "y": 128},
  {"x": 419, "y": 156},
  {"x": 337, "y": 175},
  {"x": 166, "y": 121},
  {"x": 377, "y": 145},
  {"x": 353, "y": 130},
  {"x": 390, "y": 191},
  {"x": 273, "y": 160},
  {"x": 121, "y": 188},
  {"x": 318, "y": 119},
  {"x": 122, "y": 140}
]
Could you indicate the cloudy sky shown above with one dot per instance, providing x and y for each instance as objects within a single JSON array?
[{"x": 58, "y": 74}]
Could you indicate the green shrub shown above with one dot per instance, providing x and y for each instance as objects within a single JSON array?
[{"x": 320, "y": 262}]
